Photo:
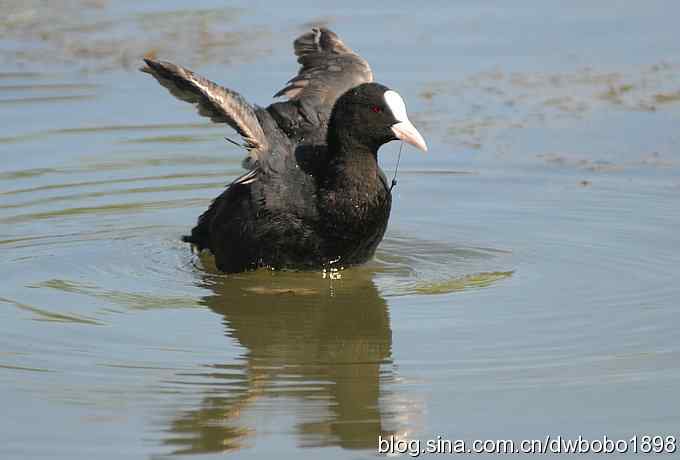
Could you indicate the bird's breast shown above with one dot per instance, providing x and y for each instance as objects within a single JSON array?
[{"x": 353, "y": 224}]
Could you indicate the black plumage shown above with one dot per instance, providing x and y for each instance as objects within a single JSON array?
[{"x": 314, "y": 195}]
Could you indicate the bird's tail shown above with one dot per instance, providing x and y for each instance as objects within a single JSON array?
[{"x": 198, "y": 238}]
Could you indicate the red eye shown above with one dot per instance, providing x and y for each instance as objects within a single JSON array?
[{"x": 376, "y": 109}]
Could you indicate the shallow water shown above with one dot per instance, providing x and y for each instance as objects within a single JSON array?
[{"x": 527, "y": 285}]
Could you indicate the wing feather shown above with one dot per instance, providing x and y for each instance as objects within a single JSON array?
[
  {"x": 219, "y": 104},
  {"x": 328, "y": 68}
]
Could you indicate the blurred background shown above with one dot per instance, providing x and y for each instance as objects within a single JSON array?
[{"x": 527, "y": 284}]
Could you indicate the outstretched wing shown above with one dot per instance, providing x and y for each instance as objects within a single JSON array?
[
  {"x": 328, "y": 69},
  {"x": 220, "y": 104}
]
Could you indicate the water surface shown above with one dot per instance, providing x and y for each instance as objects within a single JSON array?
[{"x": 527, "y": 285}]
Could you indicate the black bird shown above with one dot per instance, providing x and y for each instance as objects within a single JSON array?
[{"x": 314, "y": 195}]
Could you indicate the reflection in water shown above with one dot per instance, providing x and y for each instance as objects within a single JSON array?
[{"x": 318, "y": 341}]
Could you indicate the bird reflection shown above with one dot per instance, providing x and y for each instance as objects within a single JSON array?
[{"x": 321, "y": 345}]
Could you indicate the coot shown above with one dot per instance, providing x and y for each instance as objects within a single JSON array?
[{"x": 314, "y": 195}]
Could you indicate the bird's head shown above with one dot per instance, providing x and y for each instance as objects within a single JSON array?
[{"x": 372, "y": 114}]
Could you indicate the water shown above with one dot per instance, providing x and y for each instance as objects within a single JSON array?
[{"x": 528, "y": 283}]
